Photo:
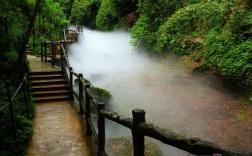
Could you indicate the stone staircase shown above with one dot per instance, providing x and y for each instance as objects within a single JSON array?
[{"x": 49, "y": 86}]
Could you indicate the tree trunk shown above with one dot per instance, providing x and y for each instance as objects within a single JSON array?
[
  {"x": 70, "y": 9},
  {"x": 28, "y": 32}
]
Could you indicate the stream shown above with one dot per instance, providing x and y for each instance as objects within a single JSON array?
[{"x": 194, "y": 105}]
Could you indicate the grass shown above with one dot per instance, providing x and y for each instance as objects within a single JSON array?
[{"x": 240, "y": 116}]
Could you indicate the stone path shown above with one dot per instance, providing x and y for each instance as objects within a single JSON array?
[{"x": 58, "y": 129}]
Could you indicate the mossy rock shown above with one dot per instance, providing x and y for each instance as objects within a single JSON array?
[
  {"x": 102, "y": 94},
  {"x": 124, "y": 146}
]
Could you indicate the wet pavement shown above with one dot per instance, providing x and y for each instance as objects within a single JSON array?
[
  {"x": 57, "y": 127},
  {"x": 58, "y": 130}
]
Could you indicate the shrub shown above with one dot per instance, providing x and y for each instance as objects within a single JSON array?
[{"x": 189, "y": 22}]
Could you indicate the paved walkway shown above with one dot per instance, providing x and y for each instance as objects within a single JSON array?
[
  {"x": 36, "y": 64},
  {"x": 58, "y": 130}
]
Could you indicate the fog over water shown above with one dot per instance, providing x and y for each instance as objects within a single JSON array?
[{"x": 172, "y": 99}]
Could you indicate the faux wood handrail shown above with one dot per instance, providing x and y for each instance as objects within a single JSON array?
[
  {"x": 127, "y": 122},
  {"x": 192, "y": 145}
]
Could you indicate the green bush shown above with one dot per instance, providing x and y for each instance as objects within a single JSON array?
[
  {"x": 218, "y": 32},
  {"x": 187, "y": 23},
  {"x": 152, "y": 15},
  {"x": 232, "y": 61},
  {"x": 228, "y": 50}
]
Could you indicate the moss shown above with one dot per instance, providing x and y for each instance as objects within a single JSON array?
[
  {"x": 102, "y": 94},
  {"x": 124, "y": 146}
]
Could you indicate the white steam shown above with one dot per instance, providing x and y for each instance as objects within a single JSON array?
[
  {"x": 105, "y": 55},
  {"x": 173, "y": 100}
]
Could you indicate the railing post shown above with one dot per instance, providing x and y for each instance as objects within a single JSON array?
[
  {"x": 71, "y": 83},
  {"x": 101, "y": 130},
  {"x": 87, "y": 108},
  {"x": 41, "y": 51},
  {"x": 80, "y": 94},
  {"x": 52, "y": 52},
  {"x": 61, "y": 58},
  {"x": 12, "y": 115},
  {"x": 65, "y": 46},
  {"x": 138, "y": 137},
  {"x": 25, "y": 99},
  {"x": 45, "y": 51}
]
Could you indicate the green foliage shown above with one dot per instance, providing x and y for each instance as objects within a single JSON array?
[
  {"x": 232, "y": 61},
  {"x": 85, "y": 11},
  {"x": 23, "y": 123},
  {"x": 66, "y": 6},
  {"x": 14, "y": 16},
  {"x": 187, "y": 23},
  {"x": 112, "y": 12},
  {"x": 107, "y": 15},
  {"x": 218, "y": 32},
  {"x": 140, "y": 32},
  {"x": 81, "y": 11},
  {"x": 102, "y": 14},
  {"x": 229, "y": 49},
  {"x": 48, "y": 25},
  {"x": 152, "y": 15}
]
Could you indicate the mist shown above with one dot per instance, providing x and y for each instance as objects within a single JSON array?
[{"x": 172, "y": 99}]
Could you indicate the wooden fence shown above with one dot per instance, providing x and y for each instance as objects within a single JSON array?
[
  {"x": 137, "y": 124},
  {"x": 71, "y": 35}
]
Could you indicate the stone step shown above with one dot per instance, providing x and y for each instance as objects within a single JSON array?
[
  {"x": 40, "y": 82},
  {"x": 47, "y": 77},
  {"x": 52, "y": 98},
  {"x": 50, "y": 87},
  {"x": 50, "y": 93},
  {"x": 46, "y": 72}
]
